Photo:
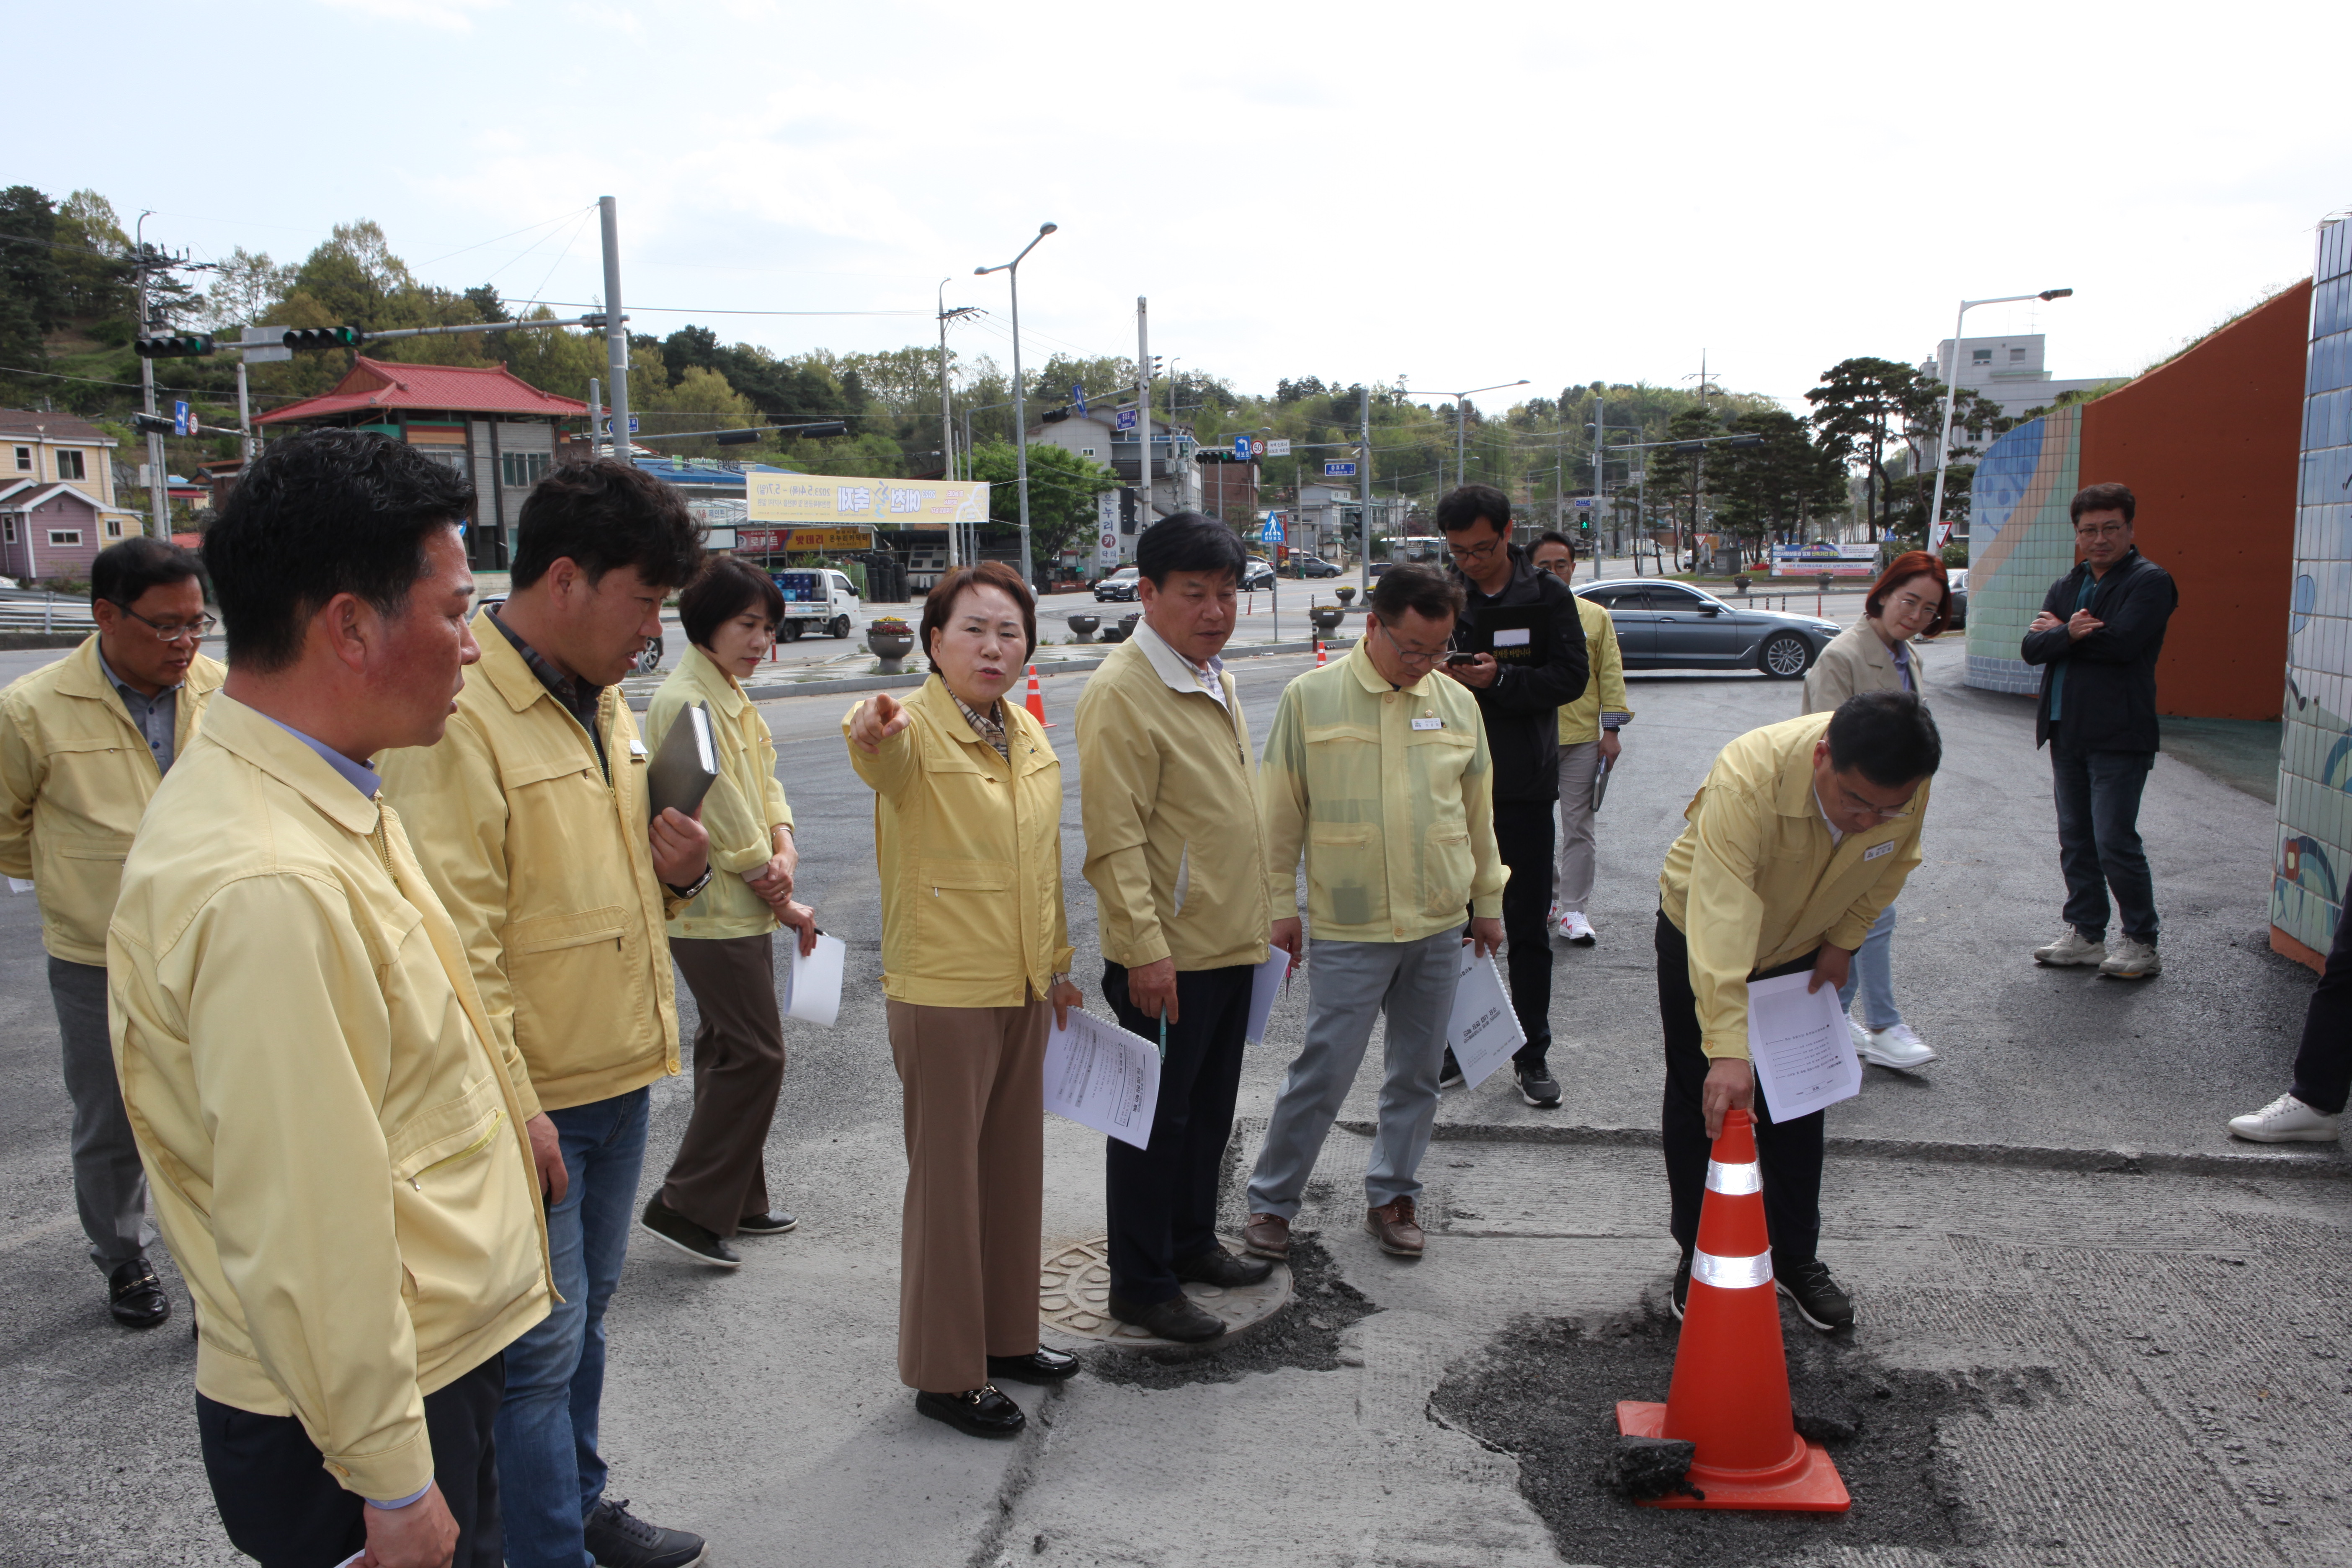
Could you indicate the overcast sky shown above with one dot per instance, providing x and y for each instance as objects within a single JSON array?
[{"x": 1457, "y": 194}]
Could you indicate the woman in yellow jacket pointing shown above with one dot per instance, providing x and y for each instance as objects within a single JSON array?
[{"x": 968, "y": 830}]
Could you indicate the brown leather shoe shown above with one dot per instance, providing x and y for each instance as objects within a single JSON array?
[
  {"x": 1393, "y": 1225},
  {"x": 1267, "y": 1235}
]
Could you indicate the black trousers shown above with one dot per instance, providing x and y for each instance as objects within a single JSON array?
[
  {"x": 281, "y": 1508},
  {"x": 1789, "y": 1152},
  {"x": 1162, "y": 1199},
  {"x": 1524, "y": 836},
  {"x": 2322, "y": 1068}
]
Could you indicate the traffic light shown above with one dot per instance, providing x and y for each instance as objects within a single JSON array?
[
  {"x": 822, "y": 429},
  {"x": 187, "y": 345},
  {"x": 739, "y": 438},
  {"x": 1584, "y": 523},
  {"x": 1750, "y": 440},
  {"x": 154, "y": 424},
  {"x": 324, "y": 337}
]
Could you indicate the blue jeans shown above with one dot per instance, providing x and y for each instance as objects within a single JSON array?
[
  {"x": 550, "y": 1474},
  {"x": 2098, "y": 838},
  {"x": 1873, "y": 974}
]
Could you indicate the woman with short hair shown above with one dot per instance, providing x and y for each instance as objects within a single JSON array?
[
  {"x": 1912, "y": 599},
  {"x": 976, "y": 955},
  {"x": 716, "y": 1188}
]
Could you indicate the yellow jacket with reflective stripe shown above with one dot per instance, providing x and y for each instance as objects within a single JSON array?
[
  {"x": 545, "y": 866},
  {"x": 1397, "y": 824},
  {"x": 335, "y": 1148},
  {"x": 1754, "y": 882},
  {"x": 75, "y": 777},
  {"x": 1174, "y": 846},
  {"x": 970, "y": 850},
  {"x": 745, "y": 806},
  {"x": 1605, "y": 693}
]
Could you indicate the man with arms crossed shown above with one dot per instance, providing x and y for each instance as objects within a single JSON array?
[
  {"x": 531, "y": 818},
  {"x": 1802, "y": 831},
  {"x": 1177, "y": 856},
  {"x": 83, "y": 744},
  {"x": 342, "y": 1152},
  {"x": 1377, "y": 772}
]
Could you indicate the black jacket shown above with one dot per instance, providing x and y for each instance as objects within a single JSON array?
[
  {"x": 1521, "y": 710},
  {"x": 2109, "y": 700}
]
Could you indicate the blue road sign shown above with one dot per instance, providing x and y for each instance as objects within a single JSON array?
[
  {"x": 1241, "y": 450},
  {"x": 179, "y": 419},
  {"x": 1271, "y": 533},
  {"x": 1338, "y": 470},
  {"x": 1080, "y": 393},
  {"x": 1126, "y": 419}
]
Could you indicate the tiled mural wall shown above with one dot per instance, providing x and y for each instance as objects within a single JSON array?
[
  {"x": 2020, "y": 542},
  {"x": 2314, "y": 789}
]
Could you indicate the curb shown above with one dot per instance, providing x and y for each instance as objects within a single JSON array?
[{"x": 2116, "y": 1162}]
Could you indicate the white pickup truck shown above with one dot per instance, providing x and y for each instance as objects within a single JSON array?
[{"x": 818, "y": 601}]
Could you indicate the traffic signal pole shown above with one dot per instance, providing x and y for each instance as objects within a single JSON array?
[
  {"x": 616, "y": 332},
  {"x": 1364, "y": 489},
  {"x": 159, "y": 493}
]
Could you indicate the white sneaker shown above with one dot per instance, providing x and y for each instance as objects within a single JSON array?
[
  {"x": 1861, "y": 1037},
  {"x": 2132, "y": 961},
  {"x": 1897, "y": 1048},
  {"x": 1575, "y": 928},
  {"x": 2073, "y": 947},
  {"x": 2285, "y": 1119}
]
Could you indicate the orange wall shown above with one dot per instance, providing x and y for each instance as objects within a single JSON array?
[{"x": 2209, "y": 445}]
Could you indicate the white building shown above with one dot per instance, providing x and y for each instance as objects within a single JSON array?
[
  {"x": 2008, "y": 371},
  {"x": 1174, "y": 481}
]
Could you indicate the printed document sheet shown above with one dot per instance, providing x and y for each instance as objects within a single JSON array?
[
  {"x": 1099, "y": 1076},
  {"x": 813, "y": 984},
  {"x": 1264, "y": 986},
  {"x": 1803, "y": 1050},
  {"x": 1483, "y": 1030}
]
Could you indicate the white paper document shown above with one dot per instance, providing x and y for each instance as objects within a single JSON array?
[
  {"x": 1264, "y": 986},
  {"x": 1099, "y": 1076},
  {"x": 1483, "y": 1030},
  {"x": 1801, "y": 1047},
  {"x": 813, "y": 984}
]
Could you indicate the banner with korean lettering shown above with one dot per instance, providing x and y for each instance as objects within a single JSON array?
[{"x": 820, "y": 500}]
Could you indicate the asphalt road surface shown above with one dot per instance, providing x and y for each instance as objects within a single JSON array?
[{"x": 2174, "y": 1332}]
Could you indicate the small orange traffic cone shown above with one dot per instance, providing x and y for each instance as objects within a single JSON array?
[
  {"x": 1730, "y": 1396},
  {"x": 1036, "y": 703},
  {"x": 1321, "y": 658}
]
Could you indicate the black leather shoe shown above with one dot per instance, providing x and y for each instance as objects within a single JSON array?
[
  {"x": 660, "y": 1219},
  {"x": 136, "y": 1296},
  {"x": 1040, "y": 1365},
  {"x": 1218, "y": 1267},
  {"x": 773, "y": 1223},
  {"x": 1179, "y": 1318},
  {"x": 1679, "y": 1297},
  {"x": 982, "y": 1412}
]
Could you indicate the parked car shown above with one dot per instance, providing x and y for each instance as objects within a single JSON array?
[
  {"x": 1258, "y": 574},
  {"x": 1663, "y": 625},
  {"x": 1957, "y": 579},
  {"x": 1119, "y": 587},
  {"x": 1314, "y": 566},
  {"x": 649, "y": 657}
]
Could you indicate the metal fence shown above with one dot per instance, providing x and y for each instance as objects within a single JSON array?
[{"x": 24, "y": 611}]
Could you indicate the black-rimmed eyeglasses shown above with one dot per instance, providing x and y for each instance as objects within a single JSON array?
[{"x": 171, "y": 631}]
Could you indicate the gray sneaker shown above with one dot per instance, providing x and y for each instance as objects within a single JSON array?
[
  {"x": 2132, "y": 961},
  {"x": 2072, "y": 948}
]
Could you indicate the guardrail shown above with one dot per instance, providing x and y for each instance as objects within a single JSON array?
[{"x": 44, "y": 612}]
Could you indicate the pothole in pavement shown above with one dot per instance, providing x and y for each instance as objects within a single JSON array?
[
  {"x": 1305, "y": 1333},
  {"x": 1547, "y": 1391}
]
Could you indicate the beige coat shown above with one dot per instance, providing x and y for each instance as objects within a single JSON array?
[{"x": 1854, "y": 662}]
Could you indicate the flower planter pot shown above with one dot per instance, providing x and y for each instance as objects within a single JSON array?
[
  {"x": 1122, "y": 628},
  {"x": 1346, "y": 595},
  {"x": 1084, "y": 625},
  {"x": 1327, "y": 617},
  {"x": 1742, "y": 583},
  {"x": 891, "y": 647}
]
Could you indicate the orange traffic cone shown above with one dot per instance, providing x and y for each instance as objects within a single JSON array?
[
  {"x": 1730, "y": 1391},
  {"x": 1036, "y": 703},
  {"x": 1321, "y": 658}
]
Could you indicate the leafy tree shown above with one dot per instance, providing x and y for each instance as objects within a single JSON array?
[
  {"x": 1861, "y": 409},
  {"x": 98, "y": 283},
  {"x": 1772, "y": 489},
  {"x": 1683, "y": 476},
  {"x": 242, "y": 291},
  {"x": 1062, "y": 490},
  {"x": 31, "y": 289}
]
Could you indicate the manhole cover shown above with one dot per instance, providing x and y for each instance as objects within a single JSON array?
[{"x": 1074, "y": 1298}]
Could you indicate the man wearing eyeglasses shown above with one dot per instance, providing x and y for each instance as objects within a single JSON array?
[
  {"x": 83, "y": 744},
  {"x": 2097, "y": 637},
  {"x": 1525, "y": 668},
  {"x": 1803, "y": 832}
]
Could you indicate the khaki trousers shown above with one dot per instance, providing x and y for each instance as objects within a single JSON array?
[
  {"x": 968, "y": 1253},
  {"x": 719, "y": 1176}
]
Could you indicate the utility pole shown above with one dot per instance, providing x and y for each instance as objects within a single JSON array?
[
  {"x": 159, "y": 493},
  {"x": 1020, "y": 394},
  {"x": 617, "y": 333},
  {"x": 947, "y": 412},
  {"x": 1600, "y": 474},
  {"x": 1143, "y": 414},
  {"x": 1364, "y": 487},
  {"x": 595, "y": 412},
  {"x": 244, "y": 415}
]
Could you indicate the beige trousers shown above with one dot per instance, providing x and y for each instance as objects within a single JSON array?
[{"x": 968, "y": 1250}]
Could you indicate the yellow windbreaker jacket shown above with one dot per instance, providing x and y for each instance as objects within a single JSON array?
[
  {"x": 1175, "y": 848},
  {"x": 75, "y": 777},
  {"x": 1605, "y": 693},
  {"x": 745, "y": 806},
  {"x": 545, "y": 866},
  {"x": 334, "y": 1142},
  {"x": 970, "y": 849},
  {"x": 1754, "y": 882},
  {"x": 1389, "y": 795}
]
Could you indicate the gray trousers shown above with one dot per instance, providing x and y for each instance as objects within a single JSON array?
[
  {"x": 109, "y": 1184},
  {"x": 1349, "y": 984},
  {"x": 1572, "y": 883}
]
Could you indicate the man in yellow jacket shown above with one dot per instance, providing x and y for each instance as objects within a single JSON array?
[
  {"x": 83, "y": 744},
  {"x": 531, "y": 818},
  {"x": 1176, "y": 852},
  {"x": 1802, "y": 831},
  {"x": 1588, "y": 747},
  {"x": 341, "y": 1150}
]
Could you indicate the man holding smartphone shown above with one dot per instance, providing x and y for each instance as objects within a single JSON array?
[{"x": 1544, "y": 664}]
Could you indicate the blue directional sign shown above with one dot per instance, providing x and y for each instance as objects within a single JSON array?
[
  {"x": 179, "y": 419},
  {"x": 1338, "y": 470},
  {"x": 1125, "y": 420},
  {"x": 1241, "y": 450}
]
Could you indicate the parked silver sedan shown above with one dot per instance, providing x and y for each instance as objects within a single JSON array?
[{"x": 1664, "y": 625}]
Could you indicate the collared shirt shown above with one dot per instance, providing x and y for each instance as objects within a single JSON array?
[
  {"x": 1180, "y": 673},
  {"x": 359, "y": 775},
  {"x": 580, "y": 699},
  {"x": 155, "y": 715},
  {"x": 1837, "y": 834},
  {"x": 988, "y": 727},
  {"x": 2058, "y": 670}
]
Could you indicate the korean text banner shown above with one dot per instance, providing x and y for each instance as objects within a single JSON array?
[{"x": 823, "y": 498}]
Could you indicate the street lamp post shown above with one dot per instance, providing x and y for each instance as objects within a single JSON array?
[
  {"x": 1461, "y": 472},
  {"x": 1951, "y": 391},
  {"x": 947, "y": 411},
  {"x": 1020, "y": 410}
]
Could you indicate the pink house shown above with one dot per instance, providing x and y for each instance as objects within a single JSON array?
[{"x": 56, "y": 496}]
